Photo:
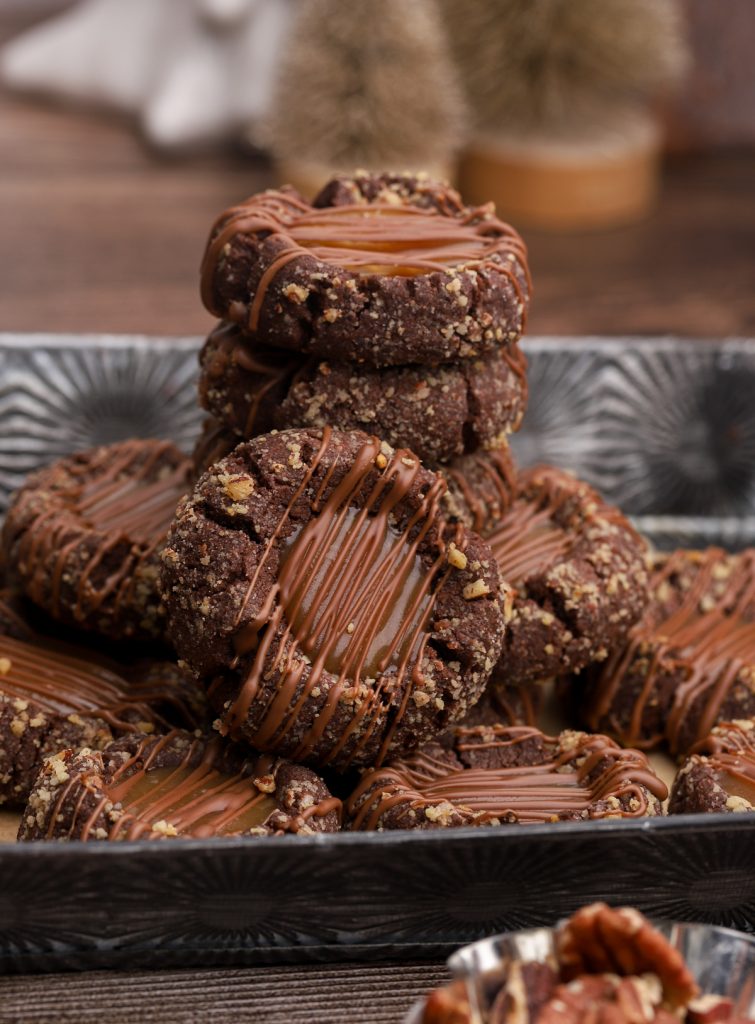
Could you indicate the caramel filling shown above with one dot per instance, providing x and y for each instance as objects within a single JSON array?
[
  {"x": 353, "y": 592},
  {"x": 197, "y": 802},
  {"x": 418, "y": 240},
  {"x": 352, "y": 597},
  {"x": 735, "y": 773},
  {"x": 737, "y": 785},
  {"x": 366, "y": 239},
  {"x": 714, "y": 648},
  {"x": 561, "y": 786}
]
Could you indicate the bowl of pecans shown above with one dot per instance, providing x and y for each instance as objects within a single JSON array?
[{"x": 604, "y": 965}]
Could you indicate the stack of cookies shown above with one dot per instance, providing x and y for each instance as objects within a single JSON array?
[
  {"x": 386, "y": 306},
  {"x": 353, "y": 572}
]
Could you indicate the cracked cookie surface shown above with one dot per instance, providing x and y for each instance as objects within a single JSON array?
[
  {"x": 334, "y": 612},
  {"x": 578, "y": 573},
  {"x": 438, "y": 412},
  {"x": 381, "y": 269},
  {"x": 83, "y": 535},
  {"x": 479, "y": 487}
]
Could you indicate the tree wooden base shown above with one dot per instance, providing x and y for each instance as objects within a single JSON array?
[{"x": 599, "y": 182}]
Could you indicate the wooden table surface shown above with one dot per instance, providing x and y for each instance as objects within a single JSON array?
[
  {"x": 341, "y": 994},
  {"x": 99, "y": 234}
]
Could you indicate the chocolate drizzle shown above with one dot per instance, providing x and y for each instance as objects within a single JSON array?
[
  {"x": 146, "y": 798},
  {"x": 351, "y": 599},
  {"x": 349, "y": 613},
  {"x": 735, "y": 773},
  {"x": 707, "y": 644},
  {"x": 729, "y": 738},
  {"x": 101, "y": 528},
  {"x": 130, "y": 499},
  {"x": 271, "y": 370},
  {"x": 588, "y": 777},
  {"x": 527, "y": 541},
  {"x": 64, "y": 684},
  {"x": 485, "y": 483},
  {"x": 545, "y": 522},
  {"x": 378, "y": 238}
]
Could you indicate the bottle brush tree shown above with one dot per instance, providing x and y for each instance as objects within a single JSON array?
[{"x": 367, "y": 83}]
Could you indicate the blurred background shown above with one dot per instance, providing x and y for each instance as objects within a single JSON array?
[{"x": 617, "y": 135}]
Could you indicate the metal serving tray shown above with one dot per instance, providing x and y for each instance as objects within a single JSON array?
[{"x": 666, "y": 428}]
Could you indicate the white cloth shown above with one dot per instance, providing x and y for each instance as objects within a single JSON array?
[{"x": 190, "y": 70}]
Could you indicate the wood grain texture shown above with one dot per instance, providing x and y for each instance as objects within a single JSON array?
[
  {"x": 100, "y": 234},
  {"x": 339, "y": 994},
  {"x": 688, "y": 269}
]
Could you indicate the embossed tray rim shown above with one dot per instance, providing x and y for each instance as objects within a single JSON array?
[{"x": 389, "y": 838}]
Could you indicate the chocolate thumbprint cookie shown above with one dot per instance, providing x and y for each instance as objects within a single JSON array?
[
  {"x": 493, "y": 775},
  {"x": 438, "y": 412},
  {"x": 83, "y": 535},
  {"x": 689, "y": 663},
  {"x": 719, "y": 776},
  {"x": 177, "y": 785},
  {"x": 335, "y": 614},
  {"x": 54, "y": 696},
  {"x": 384, "y": 270},
  {"x": 578, "y": 572}
]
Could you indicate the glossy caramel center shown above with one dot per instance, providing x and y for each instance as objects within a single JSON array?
[
  {"x": 527, "y": 542},
  {"x": 738, "y": 785},
  {"x": 194, "y": 801},
  {"x": 354, "y": 236},
  {"x": 354, "y": 593},
  {"x": 142, "y": 509}
]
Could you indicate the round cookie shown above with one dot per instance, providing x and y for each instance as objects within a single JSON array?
[
  {"x": 690, "y": 661},
  {"x": 438, "y": 412},
  {"x": 494, "y": 775},
  {"x": 578, "y": 572},
  {"x": 83, "y": 535},
  {"x": 720, "y": 775},
  {"x": 336, "y": 615},
  {"x": 479, "y": 487},
  {"x": 55, "y": 695},
  {"x": 161, "y": 787},
  {"x": 381, "y": 269}
]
